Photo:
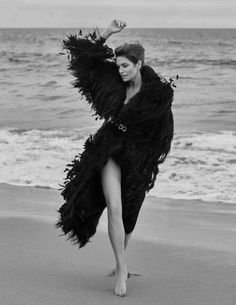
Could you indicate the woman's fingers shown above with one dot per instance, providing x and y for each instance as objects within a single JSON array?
[
  {"x": 120, "y": 23},
  {"x": 117, "y": 25},
  {"x": 117, "y": 22}
]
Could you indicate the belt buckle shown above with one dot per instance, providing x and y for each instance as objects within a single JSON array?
[{"x": 122, "y": 127}]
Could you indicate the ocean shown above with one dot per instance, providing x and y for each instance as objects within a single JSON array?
[{"x": 44, "y": 121}]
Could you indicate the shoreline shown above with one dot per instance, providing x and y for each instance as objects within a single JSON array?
[
  {"x": 184, "y": 253},
  {"x": 193, "y": 223},
  {"x": 5, "y": 185}
]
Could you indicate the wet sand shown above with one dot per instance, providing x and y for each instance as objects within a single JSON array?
[{"x": 185, "y": 252}]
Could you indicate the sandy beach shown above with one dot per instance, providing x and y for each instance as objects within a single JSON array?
[{"x": 184, "y": 252}]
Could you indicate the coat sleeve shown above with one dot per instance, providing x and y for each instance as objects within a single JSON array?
[{"x": 91, "y": 62}]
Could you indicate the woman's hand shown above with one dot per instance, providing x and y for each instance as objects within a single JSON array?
[{"x": 116, "y": 26}]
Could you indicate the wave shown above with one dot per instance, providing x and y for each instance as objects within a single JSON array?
[
  {"x": 52, "y": 61},
  {"x": 37, "y": 157},
  {"x": 210, "y": 62},
  {"x": 18, "y": 60},
  {"x": 192, "y": 61},
  {"x": 175, "y": 42},
  {"x": 200, "y": 43},
  {"x": 49, "y": 84},
  {"x": 224, "y": 44},
  {"x": 200, "y": 165},
  {"x": 35, "y": 58}
]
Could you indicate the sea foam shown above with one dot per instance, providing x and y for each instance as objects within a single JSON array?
[{"x": 200, "y": 165}]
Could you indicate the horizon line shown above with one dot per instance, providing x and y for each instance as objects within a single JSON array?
[{"x": 87, "y": 27}]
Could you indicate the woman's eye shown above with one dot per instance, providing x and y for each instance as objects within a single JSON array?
[{"x": 123, "y": 66}]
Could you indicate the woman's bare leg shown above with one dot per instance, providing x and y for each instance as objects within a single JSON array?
[
  {"x": 111, "y": 184},
  {"x": 127, "y": 237}
]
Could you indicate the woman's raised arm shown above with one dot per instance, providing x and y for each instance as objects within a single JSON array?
[
  {"x": 92, "y": 64},
  {"x": 114, "y": 27}
]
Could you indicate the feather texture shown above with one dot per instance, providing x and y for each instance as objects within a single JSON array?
[{"x": 138, "y": 151}]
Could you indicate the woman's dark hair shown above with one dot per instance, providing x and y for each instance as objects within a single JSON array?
[{"x": 132, "y": 51}]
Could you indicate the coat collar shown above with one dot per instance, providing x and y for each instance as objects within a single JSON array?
[
  {"x": 148, "y": 74},
  {"x": 150, "y": 81}
]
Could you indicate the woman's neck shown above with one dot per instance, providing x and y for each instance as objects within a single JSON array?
[{"x": 135, "y": 82}]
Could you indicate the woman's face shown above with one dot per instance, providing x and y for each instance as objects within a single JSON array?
[{"x": 127, "y": 69}]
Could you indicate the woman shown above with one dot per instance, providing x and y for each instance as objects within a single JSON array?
[{"x": 119, "y": 163}]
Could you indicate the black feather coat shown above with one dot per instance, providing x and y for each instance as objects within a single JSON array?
[{"x": 137, "y": 135}]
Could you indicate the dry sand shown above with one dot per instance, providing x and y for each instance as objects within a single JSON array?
[{"x": 184, "y": 251}]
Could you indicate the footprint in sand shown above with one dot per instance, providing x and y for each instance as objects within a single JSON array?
[{"x": 112, "y": 274}]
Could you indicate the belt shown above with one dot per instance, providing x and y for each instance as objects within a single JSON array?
[{"x": 118, "y": 124}]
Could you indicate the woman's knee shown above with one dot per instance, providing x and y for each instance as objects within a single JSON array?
[
  {"x": 110, "y": 175},
  {"x": 111, "y": 184},
  {"x": 114, "y": 208}
]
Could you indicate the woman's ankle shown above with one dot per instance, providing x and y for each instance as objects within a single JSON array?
[{"x": 121, "y": 267}]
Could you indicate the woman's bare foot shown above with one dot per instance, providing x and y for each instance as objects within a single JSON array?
[{"x": 121, "y": 277}]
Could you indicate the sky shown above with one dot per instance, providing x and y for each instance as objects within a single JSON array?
[{"x": 136, "y": 13}]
